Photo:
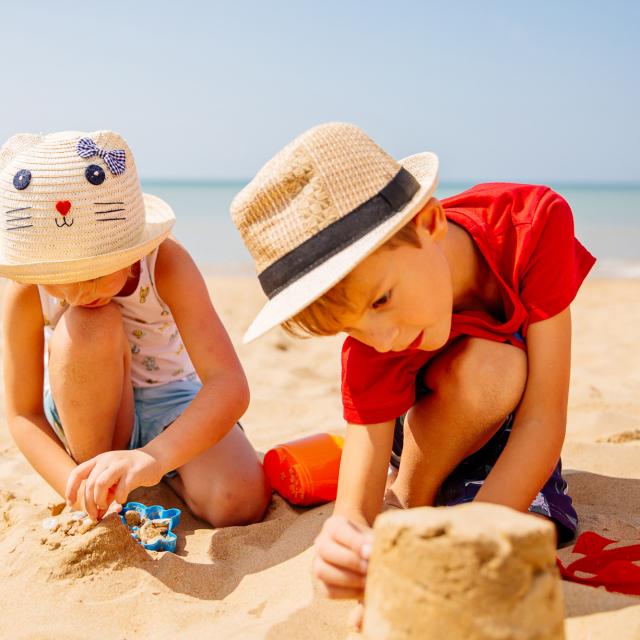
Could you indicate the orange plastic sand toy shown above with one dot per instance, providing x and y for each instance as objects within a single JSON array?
[{"x": 305, "y": 471}]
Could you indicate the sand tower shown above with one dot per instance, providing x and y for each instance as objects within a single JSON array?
[{"x": 471, "y": 572}]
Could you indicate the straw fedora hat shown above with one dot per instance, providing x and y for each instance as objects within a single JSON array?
[
  {"x": 318, "y": 208},
  {"x": 73, "y": 209}
]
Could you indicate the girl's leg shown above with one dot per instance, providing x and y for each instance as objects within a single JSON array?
[
  {"x": 89, "y": 373},
  {"x": 474, "y": 385},
  {"x": 226, "y": 484}
]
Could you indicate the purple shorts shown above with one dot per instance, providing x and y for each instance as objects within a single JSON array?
[{"x": 465, "y": 480}]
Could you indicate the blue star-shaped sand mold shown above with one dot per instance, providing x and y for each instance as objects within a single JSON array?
[{"x": 164, "y": 542}]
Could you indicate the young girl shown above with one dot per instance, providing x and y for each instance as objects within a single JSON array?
[{"x": 117, "y": 369}]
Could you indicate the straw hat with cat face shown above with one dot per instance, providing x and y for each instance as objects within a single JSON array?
[
  {"x": 72, "y": 208},
  {"x": 318, "y": 208}
]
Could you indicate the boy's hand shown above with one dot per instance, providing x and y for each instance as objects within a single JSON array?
[
  {"x": 111, "y": 477},
  {"x": 342, "y": 557}
]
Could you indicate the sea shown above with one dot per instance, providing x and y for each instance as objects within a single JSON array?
[{"x": 607, "y": 222}]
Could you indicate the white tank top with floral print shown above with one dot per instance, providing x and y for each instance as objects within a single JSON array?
[{"x": 158, "y": 355}]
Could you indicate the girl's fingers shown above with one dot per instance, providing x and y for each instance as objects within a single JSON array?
[
  {"x": 121, "y": 491},
  {"x": 80, "y": 473},
  {"x": 90, "y": 504},
  {"x": 102, "y": 486}
]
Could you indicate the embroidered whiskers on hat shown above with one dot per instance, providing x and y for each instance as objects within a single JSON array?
[
  {"x": 318, "y": 208},
  {"x": 73, "y": 209}
]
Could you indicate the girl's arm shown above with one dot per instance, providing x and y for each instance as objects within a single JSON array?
[
  {"x": 224, "y": 396},
  {"x": 534, "y": 445},
  {"x": 23, "y": 380}
]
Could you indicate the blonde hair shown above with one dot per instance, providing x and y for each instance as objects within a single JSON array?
[{"x": 323, "y": 316}]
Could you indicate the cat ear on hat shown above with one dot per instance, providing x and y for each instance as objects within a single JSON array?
[{"x": 16, "y": 145}]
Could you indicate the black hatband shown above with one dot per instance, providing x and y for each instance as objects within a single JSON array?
[{"x": 339, "y": 234}]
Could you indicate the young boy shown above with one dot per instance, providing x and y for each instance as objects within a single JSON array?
[{"x": 457, "y": 315}]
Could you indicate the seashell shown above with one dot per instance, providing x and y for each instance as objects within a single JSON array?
[{"x": 51, "y": 524}]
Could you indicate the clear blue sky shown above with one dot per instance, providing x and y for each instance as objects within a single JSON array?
[{"x": 536, "y": 91}]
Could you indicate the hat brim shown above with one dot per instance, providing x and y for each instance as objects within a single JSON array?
[
  {"x": 309, "y": 287},
  {"x": 159, "y": 219}
]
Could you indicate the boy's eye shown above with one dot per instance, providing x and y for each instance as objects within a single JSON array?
[
  {"x": 382, "y": 300},
  {"x": 22, "y": 179},
  {"x": 94, "y": 174}
]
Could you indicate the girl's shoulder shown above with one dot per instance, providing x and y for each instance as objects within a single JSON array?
[
  {"x": 174, "y": 269},
  {"x": 170, "y": 252},
  {"x": 22, "y": 301},
  {"x": 23, "y": 296}
]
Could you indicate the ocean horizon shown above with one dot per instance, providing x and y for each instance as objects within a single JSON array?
[{"x": 606, "y": 215}]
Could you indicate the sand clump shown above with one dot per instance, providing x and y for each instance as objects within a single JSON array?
[
  {"x": 56, "y": 508},
  {"x": 152, "y": 530},
  {"x": 70, "y": 524},
  {"x": 84, "y": 547},
  {"x": 625, "y": 436},
  {"x": 474, "y": 571},
  {"x": 133, "y": 518}
]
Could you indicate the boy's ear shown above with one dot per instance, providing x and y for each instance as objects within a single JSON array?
[
  {"x": 15, "y": 145},
  {"x": 432, "y": 219}
]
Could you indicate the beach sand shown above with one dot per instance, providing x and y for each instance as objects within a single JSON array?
[{"x": 255, "y": 581}]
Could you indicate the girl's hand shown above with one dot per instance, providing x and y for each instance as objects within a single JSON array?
[
  {"x": 110, "y": 477},
  {"x": 78, "y": 503},
  {"x": 342, "y": 557}
]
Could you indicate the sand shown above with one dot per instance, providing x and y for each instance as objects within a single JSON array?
[
  {"x": 255, "y": 581},
  {"x": 475, "y": 571}
]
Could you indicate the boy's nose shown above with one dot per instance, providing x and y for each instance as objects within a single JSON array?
[{"x": 63, "y": 207}]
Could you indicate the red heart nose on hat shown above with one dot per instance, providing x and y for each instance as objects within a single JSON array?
[{"x": 63, "y": 207}]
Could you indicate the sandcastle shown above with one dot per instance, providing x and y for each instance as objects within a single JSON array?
[{"x": 472, "y": 572}]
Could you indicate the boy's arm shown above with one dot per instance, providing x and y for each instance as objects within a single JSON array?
[
  {"x": 344, "y": 544},
  {"x": 534, "y": 445},
  {"x": 23, "y": 380},
  {"x": 363, "y": 472}
]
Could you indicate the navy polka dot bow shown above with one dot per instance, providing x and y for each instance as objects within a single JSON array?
[{"x": 115, "y": 160}]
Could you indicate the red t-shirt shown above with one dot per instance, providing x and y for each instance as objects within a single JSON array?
[{"x": 525, "y": 234}]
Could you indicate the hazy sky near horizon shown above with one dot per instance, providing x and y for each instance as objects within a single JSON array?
[{"x": 535, "y": 92}]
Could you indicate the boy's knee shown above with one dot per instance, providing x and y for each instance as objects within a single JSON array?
[{"x": 481, "y": 377}]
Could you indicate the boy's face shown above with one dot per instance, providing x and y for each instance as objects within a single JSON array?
[
  {"x": 90, "y": 293},
  {"x": 404, "y": 294}
]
